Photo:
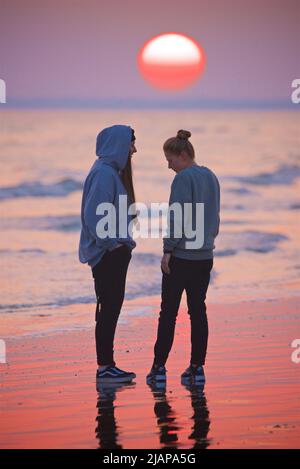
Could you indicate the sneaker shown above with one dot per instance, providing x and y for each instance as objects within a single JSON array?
[
  {"x": 113, "y": 374},
  {"x": 157, "y": 374},
  {"x": 194, "y": 373}
]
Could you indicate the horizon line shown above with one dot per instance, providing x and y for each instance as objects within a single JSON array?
[{"x": 133, "y": 103}]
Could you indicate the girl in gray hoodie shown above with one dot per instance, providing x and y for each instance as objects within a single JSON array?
[
  {"x": 108, "y": 254},
  {"x": 186, "y": 263}
]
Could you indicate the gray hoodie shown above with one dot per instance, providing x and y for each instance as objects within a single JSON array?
[
  {"x": 196, "y": 184},
  {"x": 102, "y": 185}
]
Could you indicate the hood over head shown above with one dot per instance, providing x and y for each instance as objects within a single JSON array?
[{"x": 113, "y": 145}]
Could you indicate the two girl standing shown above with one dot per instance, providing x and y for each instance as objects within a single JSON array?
[{"x": 182, "y": 268}]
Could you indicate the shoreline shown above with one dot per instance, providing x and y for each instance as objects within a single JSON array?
[{"x": 51, "y": 321}]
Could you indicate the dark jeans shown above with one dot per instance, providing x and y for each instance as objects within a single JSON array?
[
  {"x": 109, "y": 280},
  {"x": 192, "y": 276}
]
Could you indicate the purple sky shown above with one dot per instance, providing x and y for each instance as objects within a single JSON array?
[{"x": 86, "y": 49}]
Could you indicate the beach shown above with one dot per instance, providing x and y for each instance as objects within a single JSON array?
[
  {"x": 49, "y": 397},
  {"x": 251, "y": 400}
]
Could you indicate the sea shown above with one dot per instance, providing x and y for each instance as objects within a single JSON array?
[{"x": 45, "y": 155}]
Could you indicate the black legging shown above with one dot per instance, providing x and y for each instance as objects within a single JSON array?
[
  {"x": 192, "y": 276},
  {"x": 109, "y": 280}
]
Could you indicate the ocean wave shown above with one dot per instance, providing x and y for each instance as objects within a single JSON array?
[
  {"x": 238, "y": 207},
  {"x": 57, "y": 223},
  {"x": 235, "y": 222},
  {"x": 254, "y": 241},
  {"x": 284, "y": 174},
  {"x": 263, "y": 242},
  {"x": 25, "y": 250},
  {"x": 12, "y": 308},
  {"x": 38, "y": 189},
  {"x": 241, "y": 191},
  {"x": 134, "y": 290},
  {"x": 225, "y": 252}
]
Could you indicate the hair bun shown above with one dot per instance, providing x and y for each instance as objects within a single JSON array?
[{"x": 183, "y": 134}]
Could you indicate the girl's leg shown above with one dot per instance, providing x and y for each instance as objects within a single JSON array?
[
  {"x": 172, "y": 288},
  {"x": 110, "y": 282},
  {"x": 196, "y": 288}
]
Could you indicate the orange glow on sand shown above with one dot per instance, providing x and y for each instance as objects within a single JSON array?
[{"x": 171, "y": 61}]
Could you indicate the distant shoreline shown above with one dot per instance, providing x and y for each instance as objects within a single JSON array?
[{"x": 132, "y": 104}]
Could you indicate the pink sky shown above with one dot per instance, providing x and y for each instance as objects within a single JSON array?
[{"x": 75, "y": 49}]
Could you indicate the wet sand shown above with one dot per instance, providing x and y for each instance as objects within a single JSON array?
[{"x": 251, "y": 399}]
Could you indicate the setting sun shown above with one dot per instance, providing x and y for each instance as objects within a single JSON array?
[{"x": 171, "y": 61}]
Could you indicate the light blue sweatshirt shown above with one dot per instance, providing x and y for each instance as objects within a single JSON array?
[
  {"x": 103, "y": 184},
  {"x": 196, "y": 184}
]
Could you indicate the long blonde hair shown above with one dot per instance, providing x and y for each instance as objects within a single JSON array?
[{"x": 126, "y": 177}]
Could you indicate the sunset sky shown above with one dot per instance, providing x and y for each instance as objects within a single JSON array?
[{"x": 75, "y": 50}]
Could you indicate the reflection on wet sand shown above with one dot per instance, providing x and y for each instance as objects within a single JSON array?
[
  {"x": 107, "y": 428},
  {"x": 201, "y": 422},
  {"x": 169, "y": 430},
  {"x": 165, "y": 415}
]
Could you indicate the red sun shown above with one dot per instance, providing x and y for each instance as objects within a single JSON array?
[{"x": 171, "y": 61}]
